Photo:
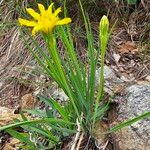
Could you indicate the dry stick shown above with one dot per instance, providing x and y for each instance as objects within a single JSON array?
[
  {"x": 87, "y": 143},
  {"x": 97, "y": 146},
  {"x": 78, "y": 133},
  {"x": 80, "y": 140},
  {"x": 104, "y": 147},
  {"x": 101, "y": 147},
  {"x": 1, "y": 2},
  {"x": 16, "y": 35}
]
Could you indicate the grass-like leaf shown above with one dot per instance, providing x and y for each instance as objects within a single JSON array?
[
  {"x": 56, "y": 106},
  {"x": 129, "y": 122},
  {"x": 22, "y": 137},
  {"x": 38, "y": 121},
  {"x": 40, "y": 131}
]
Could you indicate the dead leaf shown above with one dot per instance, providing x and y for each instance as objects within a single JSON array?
[
  {"x": 8, "y": 147},
  {"x": 11, "y": 144},
  {"x": 127, "y": 77},
  {"x": 7, "y": 116},
  {"x": 118, "y": 88},
  {"x": 28, "y": 101},
  {"x": 128, "y": 47}
]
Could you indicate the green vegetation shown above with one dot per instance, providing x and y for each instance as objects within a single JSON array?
[{"x": 85, "y": 106}]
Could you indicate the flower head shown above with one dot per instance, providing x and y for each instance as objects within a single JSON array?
[{"x": 45, "y": 21}]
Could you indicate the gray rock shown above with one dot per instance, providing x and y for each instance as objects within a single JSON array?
[
  {"x": 109, "y": 75},
  {"x": 111, "y": 80},
  {"x": 59, "y": 94},
  {"x": 134, "y": 102}
]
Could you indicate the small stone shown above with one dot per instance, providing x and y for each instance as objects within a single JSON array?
[
  {"x": 60, "y": 95},
  {"x": 148, "y": 78},
  {"x": 116, "y": 57}
]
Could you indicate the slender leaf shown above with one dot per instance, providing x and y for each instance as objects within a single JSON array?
[
  {"x": 128, "y": 122},
  {"x": 20, "y": 137},
  {"x": 41, "y": 131},
  {"x": 60, "y": 109},
  {"x": 37, "y": 112},
  {"x": 45, "y": 120},
  {"x": 56, "y": 106},
  {"x": 101, "y": 111}
]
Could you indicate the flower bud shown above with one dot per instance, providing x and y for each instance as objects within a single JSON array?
[{"x": 104, "y": 26}]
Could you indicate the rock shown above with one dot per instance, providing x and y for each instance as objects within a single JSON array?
[
  {"x": 134, "y": 101},
  {"x": 130, "y": 101},
  {"x": 59, "y": 95},
  {"x": 111, "y": 80},
  {"x": 148, "y": 78}
]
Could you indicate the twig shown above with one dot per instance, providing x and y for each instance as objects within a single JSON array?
[
  {"x": 87, "y": 143},
  {"x": 101, "y": 147},
  {"x": 104, "y": 147},
  {"x": 16, "y": 35},
  {"x": 78, "y": 133},
  {"x": 80, "y": 140},
  {"x": 1, "y": 2}
]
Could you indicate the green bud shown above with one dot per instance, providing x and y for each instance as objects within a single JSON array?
[{"x": 104, "y": 26}]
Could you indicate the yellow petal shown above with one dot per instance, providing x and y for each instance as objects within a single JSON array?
[
  {"x": 49, "y": 10},
  {"x": 58, "y": 10},
  {"x": 41, "y": 8},
  {"x": 27, "y": 22},
  {"x": 34, "y": 14},
  {"x": 35, "y": 30},
  {"x": 63, "y": 21}
]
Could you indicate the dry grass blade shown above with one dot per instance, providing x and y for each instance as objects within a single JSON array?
[
  {"x": 80, "y": 140},
  {"x": 76, "y": 136}
]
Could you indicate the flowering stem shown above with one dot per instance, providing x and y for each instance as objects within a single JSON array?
[{"x": 104, "y": 36}]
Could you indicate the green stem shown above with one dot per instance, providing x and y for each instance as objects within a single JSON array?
[
  {"x": 101, "y": 84},
  {"x": 57, "y": 62}
]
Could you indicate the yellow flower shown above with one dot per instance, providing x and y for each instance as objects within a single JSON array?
[{"x": 45, "y": 21}]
